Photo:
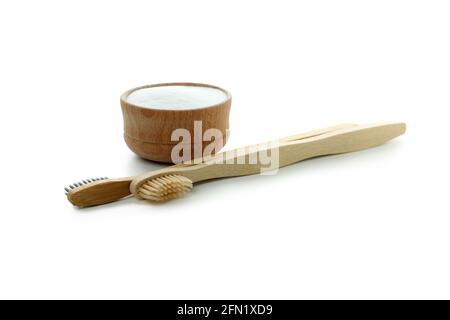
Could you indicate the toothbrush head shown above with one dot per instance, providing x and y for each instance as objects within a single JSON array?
[
  {"x": 95, "y": 191},
  {"x": 165, "y": 188}
]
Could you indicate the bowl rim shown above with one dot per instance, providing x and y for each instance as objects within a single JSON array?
[{"x": 124, "y": 96}]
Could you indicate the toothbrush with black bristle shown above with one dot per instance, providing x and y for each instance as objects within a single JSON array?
[{"x": 175, "y": 181}]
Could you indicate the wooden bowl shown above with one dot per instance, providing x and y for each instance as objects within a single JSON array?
[{"x": 148, "y": 129}]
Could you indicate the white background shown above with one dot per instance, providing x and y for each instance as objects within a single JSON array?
[{"x": 372, "y": 224}]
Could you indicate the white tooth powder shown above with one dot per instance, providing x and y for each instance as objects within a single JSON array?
[{"x": 176, "y": 97}]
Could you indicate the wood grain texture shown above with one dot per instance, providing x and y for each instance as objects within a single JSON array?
[{"x": 147, "y": 131}]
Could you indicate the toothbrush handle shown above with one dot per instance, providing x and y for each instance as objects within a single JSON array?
[
  {"x": 347, "y": 138},
  {"x": 343, "y": 140},
  {"x": 340, "y": 141}
]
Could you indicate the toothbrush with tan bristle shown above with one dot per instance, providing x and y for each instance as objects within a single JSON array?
[{"x": 174, "y": 181}]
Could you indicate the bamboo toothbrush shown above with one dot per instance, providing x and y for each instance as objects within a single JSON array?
[{"x": 176, "y": 180}]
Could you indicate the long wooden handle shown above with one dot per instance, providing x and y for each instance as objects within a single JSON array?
[{"x": 240, "y": 162}]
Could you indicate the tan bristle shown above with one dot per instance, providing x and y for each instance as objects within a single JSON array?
[{"x": 165, "y": 188}]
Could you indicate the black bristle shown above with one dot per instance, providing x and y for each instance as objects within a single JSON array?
[{"x": 81, "y": 183}]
